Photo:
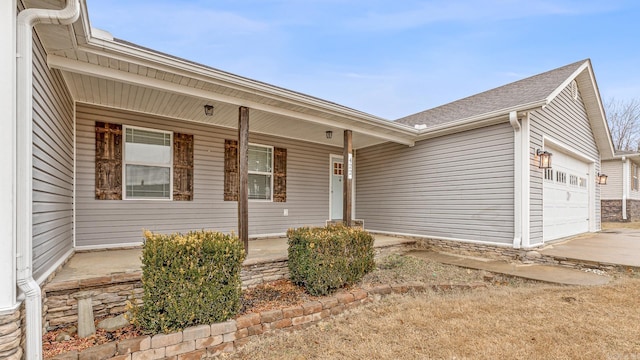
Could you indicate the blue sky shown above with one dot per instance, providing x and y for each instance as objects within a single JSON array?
[{"x": 388, "y": 58}]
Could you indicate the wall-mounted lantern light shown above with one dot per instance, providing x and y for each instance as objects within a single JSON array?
[
  {"x": 208, "y": 110},
  {"x": 328, "y": 134},
  {"x": 544, "y": 159},
  {"x": 601, "y": 179}
]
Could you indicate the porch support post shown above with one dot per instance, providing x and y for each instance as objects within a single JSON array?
[
  {"x": 243, "y": 168},
  {"x": 347, "y": 177}
]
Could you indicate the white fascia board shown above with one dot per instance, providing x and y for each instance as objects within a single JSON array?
[
  {"x": 143, "y": 57},
  {"x": 566, "y": 82},
  {"x": 83, "y": 68},
  {"x": 474, "y": 122}
]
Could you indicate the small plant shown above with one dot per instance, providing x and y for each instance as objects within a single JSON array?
[
  {"x": 323, "y": 259},
  {"x": 188, "y": 280}
]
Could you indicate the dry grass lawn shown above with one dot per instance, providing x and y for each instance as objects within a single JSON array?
[{"x": 520, "y": 320}]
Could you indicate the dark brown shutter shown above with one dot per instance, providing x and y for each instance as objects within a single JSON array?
[
  {"x": 279, "y": 175},
  {"x": 182, "y": 167},
  {"x": 108, "y": 161},
  {"x": 231, "y": 180}
]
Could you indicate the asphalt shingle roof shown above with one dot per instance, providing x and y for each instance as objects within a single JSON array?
[{"x": 525, "y": 91}]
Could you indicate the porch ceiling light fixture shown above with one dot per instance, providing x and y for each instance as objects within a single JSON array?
[
  {"x": 208, "y": 110},
  {"x": 601, "y": 179},
  {"x": 544, "y": 159},
  {"x": 328, "y": 134}
]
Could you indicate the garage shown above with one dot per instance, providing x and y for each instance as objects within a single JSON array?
[{"x": 566, "y": 197}]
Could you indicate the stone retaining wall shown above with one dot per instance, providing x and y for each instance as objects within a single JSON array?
[
  {"x": 205, "y": 341},
  {"x": 11, "y": 337},
  {"x": 111, "y": 293}
]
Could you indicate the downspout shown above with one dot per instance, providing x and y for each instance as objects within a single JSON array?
[
  {"x": 517, "y": 185},
  {"x": 26, "y": 20},
  {"x": 625, "y": 185}
]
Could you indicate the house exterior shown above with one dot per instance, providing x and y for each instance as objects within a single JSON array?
[
  {"x": 621, "y": 196},
  {"x": 112, "y": 138}
]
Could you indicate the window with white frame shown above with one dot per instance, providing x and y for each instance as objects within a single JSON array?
[
  {"x": 260, "y": 172},
  {"x": 634, "y": 177},
  {"x": 147, "y": 164}
]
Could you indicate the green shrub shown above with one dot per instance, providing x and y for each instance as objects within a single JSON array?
[
  {"x": 189, "y": 280},
  {"x": 327, "y": 258}
]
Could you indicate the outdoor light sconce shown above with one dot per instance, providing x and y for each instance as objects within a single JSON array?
[
  {"x": 544, "y": 159},
  {"x": 208, "y": 110},
  {"x": 328, "y": 134},
  {"x": 601, "y": 179}
]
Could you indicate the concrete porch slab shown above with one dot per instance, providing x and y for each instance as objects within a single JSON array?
[{"x": 108, "y": 265}]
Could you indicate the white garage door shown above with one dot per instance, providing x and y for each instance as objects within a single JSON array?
[{"x": 566, "y": 197}]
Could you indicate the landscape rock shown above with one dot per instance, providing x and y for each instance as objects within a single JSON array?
[
  {"x": 63, "y": 336},
  {"x": 113, "y": 323},
  {"x": 533, "y": 255}
]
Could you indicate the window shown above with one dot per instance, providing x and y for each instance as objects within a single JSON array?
[
  {"x": 573, "y": 180},
  {"x": 634, "y": 177},
  {"x": 260, "y": 172},
  {"x": 548, "y": 174},
  {"x": 583, "y": 182},
  {"x": 561, "y": 177},
  {"x": 147, "y": 164}
]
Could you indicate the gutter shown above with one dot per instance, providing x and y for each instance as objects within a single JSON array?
[{"x": 26, "y": 20}]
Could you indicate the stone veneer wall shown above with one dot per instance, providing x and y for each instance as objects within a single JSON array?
[
  {"x": 611, "y": 210},
  {"x": 11, "y": 335}
]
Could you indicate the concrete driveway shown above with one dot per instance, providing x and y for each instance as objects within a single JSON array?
[{"x": 616, "y": 246}]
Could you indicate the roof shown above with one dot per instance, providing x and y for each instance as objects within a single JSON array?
[{"x": 526, "y": 91}]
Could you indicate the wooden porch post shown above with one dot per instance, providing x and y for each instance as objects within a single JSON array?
[
  {"x": 347, "y": 176},
  {"x": 243, "y": 168}
]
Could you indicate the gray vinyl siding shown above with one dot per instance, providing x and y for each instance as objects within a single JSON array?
[
  {"x": 613, "y": 189},
  {"x": 456, "y": 186},
  {"x": 564, "y": 120},
  {"x": 52, "y": 165},
  {"x": 109, "y": 222}
]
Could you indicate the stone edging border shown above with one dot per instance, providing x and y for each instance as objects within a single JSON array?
[{"x": 205, "y": 341}]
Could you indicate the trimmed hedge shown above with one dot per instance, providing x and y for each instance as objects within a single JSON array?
[
  {"x": 189, "y": 280},
  {"x": 323, "y": 259}
]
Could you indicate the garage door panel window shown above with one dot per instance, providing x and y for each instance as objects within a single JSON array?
[
  {"x": 561, "y": 177},
  {"x": 548, "y": 174}
]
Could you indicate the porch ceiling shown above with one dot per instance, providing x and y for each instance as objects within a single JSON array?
[{"x": 122, "y": 95}]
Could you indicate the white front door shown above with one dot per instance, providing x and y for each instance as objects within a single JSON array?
[
  {"x": 566, "y": 197},
  {"x": 337, "y": 169}
]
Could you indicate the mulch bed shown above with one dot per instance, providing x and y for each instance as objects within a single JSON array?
[{"x": 269, "y": 296}]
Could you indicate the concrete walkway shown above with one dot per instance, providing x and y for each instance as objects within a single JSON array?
[
  {"x": 546, "y": 273},
  {"x": 620, "y": 247},
  {"x": 95, "y": 264}
]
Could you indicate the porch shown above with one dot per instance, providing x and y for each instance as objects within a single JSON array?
[{"x": 113, "y": 276}]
